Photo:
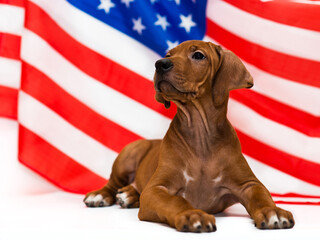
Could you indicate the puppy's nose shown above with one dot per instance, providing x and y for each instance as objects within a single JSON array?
[{"x": 163, "y": 65}]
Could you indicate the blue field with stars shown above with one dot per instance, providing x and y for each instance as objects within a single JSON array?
[{"x": 158, "y": 24}]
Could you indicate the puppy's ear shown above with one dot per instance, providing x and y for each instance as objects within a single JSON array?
[
  {"x": 232, "y": 74},
  {"x": 160, "y": 99}
]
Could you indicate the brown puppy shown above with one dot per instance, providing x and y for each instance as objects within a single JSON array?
[{"x": 198, "y": 168}]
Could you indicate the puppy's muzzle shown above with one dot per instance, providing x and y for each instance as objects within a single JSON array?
[{"x": 163, "y": 66}]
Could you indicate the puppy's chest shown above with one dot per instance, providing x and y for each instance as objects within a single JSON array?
[{"x": 202, "y": 189}]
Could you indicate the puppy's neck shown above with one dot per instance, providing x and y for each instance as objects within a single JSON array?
[{"x": 201, "y": 115}]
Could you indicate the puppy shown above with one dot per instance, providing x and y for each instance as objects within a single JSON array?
[{"x": 197, "y": 169}]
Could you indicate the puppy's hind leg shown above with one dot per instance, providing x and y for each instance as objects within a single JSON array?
[{"x": 123, "y": 174}]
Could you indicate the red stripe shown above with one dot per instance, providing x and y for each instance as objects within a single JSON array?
[
  {"x": 297, "y": 203},
  {"x": 54, "y": 165},
  {"x": 285, "y": 162},
  {"x": 10, "y": 46},
  {"x": 18, "y": 3},
  {"x": 8, "y": 102},
  {"x": 279, "y": 112},
  {"x": 289, "y": 67},
  {"x": 93, "y": 63},
  {"x": 78, "y": 114},
  {"x": 285, "y": 12},
  {"x": 293, "y": 195}
]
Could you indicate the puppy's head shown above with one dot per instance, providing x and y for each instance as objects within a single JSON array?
[{"x": 195, "y": 68}]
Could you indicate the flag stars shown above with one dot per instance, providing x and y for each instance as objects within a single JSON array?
[
  {"x": 127, "y": 2},
  {"x": 171, "y": 45},
  {"x": 106, "y": 5},
  {"x": 162, "y": 21},
  {"x": 177, "y": 1},
  {"x": 187, "y": 23},
  {"x": 138, "y": 26}
]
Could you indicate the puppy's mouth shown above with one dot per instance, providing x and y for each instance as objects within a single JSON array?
[
  {"x": 168, "y": 89},
  {"x": 165, "y": 86}
]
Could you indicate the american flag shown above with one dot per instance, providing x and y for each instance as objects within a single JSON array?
[{"x": 77, "y": 76}]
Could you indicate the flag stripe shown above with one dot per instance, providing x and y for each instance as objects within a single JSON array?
[
  {"x": 52, "y": 164},
  {"x": 276, "y": 111},
  {"x": 282, "y": 161},
  {"x": 264, "y": 129},
  {"x": 294, "y": 195},
  {"x": 11, "y": 19},
  {"x": 38, "y": 118},
  {"x": 99, "y": 97},
  {"x": 292, "y": 68},
  {"x": 8, "y": 102},
  {"x": 93, "y": 63},
  {"x": 10, "y": 72},
  {"x": 296, "y": 202},
  {"x": 272, "y": 179},
  {"x": 79, "y": 115},
  {"x": 10, "y": 45},
  {"x": 286, "y": 12},
  {"x": 18, "y": 3}
]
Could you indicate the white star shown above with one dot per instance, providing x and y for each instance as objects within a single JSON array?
[
  {"x": 177, "y": 1},
  {"x": 153, "y": 1},
  {"x": 187, "y": 23},
  {"x": 171, "y": 45},
  {"x": 162, "y": 21},
  {"x": 138, "y": 26},
  {"x": 127, "y": 2},
  {"x": 106, "y": 5}
]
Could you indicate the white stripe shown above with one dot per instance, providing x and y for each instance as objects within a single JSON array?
[
  {"x": 101, "y": 98},
  {"x": 273, "y": 134},
  {"x": 101, "y": 37},
  {"x": 55, "y": 130},
  {"x": 280, "y": 182},
  {"x": 280, "y": 37},
  {"x": 296, "y": 95},
  {"x": 10, "y": 72},
  {"x": 11, "y": 19}
]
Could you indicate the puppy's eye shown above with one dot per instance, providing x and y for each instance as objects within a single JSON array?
[
  {"x": 198, "y": 56},
  {"x": 166, "y": 56}
]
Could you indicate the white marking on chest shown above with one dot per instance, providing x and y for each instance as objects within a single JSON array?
[
  {"x": 217, "y": 179},
  {"x": 187, "y": 177}
]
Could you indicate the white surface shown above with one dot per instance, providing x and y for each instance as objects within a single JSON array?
[{"x": 31, "y": 208}]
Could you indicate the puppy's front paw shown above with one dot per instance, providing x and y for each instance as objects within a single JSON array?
[
  {"x": 195, "y": 220},
  {"x": 273, "y": 218},
  {"x": 99, "y": 198},
  {"x": 128, "y": 197}
]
